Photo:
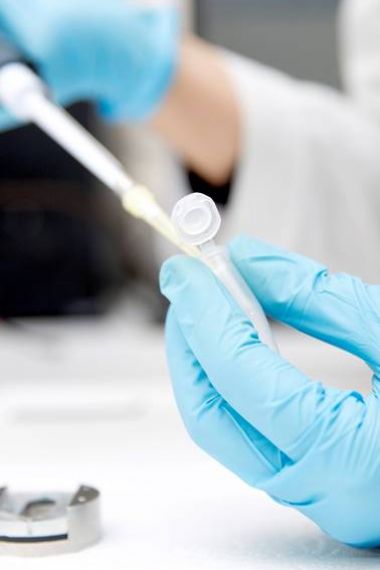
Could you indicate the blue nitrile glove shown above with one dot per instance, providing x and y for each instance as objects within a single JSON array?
[
  {"x": 310, "y": 447},
  {"x": 110, "y": 51}
]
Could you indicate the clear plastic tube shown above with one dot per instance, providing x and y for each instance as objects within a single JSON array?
[
  {"x": 198, "y": 222},
  {"x": 219, "y": 261}
]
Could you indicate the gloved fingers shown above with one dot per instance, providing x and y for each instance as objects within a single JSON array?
[
  {"x": 211, "y": 422},
  {"x": 14, "y": 17},
  {"x": 336, "y": 308},
  {"x": 7, "y": 122},
  {"x": 11, "y": 9},
  {"x": 279, "y": 401},
  {"x": 15, "y": 26},
  {"x": 141, "y": 106}
]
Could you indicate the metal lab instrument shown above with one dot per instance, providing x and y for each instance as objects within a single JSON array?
[{"x": 48, "y": 524}]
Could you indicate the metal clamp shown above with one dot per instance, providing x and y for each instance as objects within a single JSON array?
[{"x": 51, "y": 524}]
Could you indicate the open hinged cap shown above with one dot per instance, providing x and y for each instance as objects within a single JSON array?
[{"x": 196, "y": 219}]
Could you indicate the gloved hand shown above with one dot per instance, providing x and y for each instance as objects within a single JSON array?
[
  {"x": 110, "y": 51},
  {"x": 310, "y": 447}
]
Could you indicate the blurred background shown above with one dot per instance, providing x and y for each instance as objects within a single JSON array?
[
  {"x": 83, "y": 378},
  {"x": 79, "y": 299},
  {"x": 65, "y": 246},
  {"x": 274, "y": 31}
]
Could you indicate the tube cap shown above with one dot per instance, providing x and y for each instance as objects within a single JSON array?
[{"x": 196, "y": 219}]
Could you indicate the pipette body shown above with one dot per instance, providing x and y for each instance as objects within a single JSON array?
[{"x": 25, "y": 97}]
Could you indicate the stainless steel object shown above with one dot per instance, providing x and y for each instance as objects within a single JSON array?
[{"x": 49, "y": 524}]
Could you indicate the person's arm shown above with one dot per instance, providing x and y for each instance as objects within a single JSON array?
[
  {"x": 306, "y": 161},
  {"x": 200, "y": 115},
  {"x": 305, "y": 158},
  {"x": 133, "y": 62}
]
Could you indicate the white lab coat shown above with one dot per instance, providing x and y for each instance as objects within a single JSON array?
[{"x": 309, "y": 174}]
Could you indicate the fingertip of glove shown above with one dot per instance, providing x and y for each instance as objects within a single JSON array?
[
  {"x": 245, "y": 249},
  {"x": 244, "y": 246},
  {"x": 175, "y": 272}
]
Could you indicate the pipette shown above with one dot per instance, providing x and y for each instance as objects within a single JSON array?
[
  {"x": 24, "y": 95},
  {"x": 198, "y": 221}
]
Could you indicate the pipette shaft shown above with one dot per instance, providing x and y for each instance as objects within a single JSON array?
[
  {"x": 24, "y": 95},
  {"x": 77, "y": 141}
]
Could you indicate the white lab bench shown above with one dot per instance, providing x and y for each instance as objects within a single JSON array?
[{"x": 90, "y": 402}]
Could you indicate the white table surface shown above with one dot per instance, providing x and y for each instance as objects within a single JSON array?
[{"x": 90, "y": 402}]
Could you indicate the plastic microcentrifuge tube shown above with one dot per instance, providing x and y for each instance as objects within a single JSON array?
[{"x": 198, "y": 221}]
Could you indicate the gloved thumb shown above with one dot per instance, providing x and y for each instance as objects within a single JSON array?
[{"x": 336, "y": 308}]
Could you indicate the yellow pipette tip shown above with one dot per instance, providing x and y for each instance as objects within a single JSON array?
[{"x": 141, "y": 203}]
